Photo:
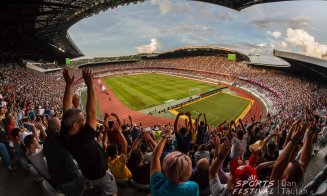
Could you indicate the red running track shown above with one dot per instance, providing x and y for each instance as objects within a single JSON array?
[{"x": 114, "y": 105}]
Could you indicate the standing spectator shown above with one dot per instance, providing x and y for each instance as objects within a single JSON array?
[
  {"x": 79, "y": 135},
  {"x": 136, "y": 162},
  {"x": 183, "y": 135},
  {"x": 116, "y": 162},
  {"x": 202, "y": 129}
]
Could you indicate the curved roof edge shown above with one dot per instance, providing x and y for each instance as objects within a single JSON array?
[
  {"x": 267, "y": 61},
  {"x": 300, "y": 57}
]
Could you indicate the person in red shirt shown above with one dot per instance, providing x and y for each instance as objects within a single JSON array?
[{"x": 10, "y": 125}]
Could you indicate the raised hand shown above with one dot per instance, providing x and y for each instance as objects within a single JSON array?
[
  {"x": 310, "y": 131},
  {"x": 167, "y": 131},
  {"x": 106, "y": 120},
  {"x": 225, "y": 148},
  {"x": 87, "y": 75},
  {"x": 68, "y": 78},
  {"x": 299, "y": 131}
]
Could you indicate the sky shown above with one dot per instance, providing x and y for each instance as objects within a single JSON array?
[{"x": 161, "y": 25}]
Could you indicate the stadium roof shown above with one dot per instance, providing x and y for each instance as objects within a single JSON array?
[
  {"x": 37, "y": 29},
  {"x": 265, "y": 60},
  {"x": 239, "y": 4},
  {"x": 305, "y": 65}
]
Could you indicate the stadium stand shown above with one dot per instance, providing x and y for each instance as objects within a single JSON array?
[
  {"x": 38, "y": 99},
  {"x": 90, "y": 156}
]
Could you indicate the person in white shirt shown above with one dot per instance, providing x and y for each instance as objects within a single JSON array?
[{"x": 34, "y": 153}]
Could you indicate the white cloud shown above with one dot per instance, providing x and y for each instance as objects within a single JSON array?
[
  {"x": 262, "y": 44},
  {"x": 306, "y": 43},
  {"x": 153, "y": 47},
  {"x": 283, "y": 44},
  {"x": 278, "y": 45},
  {"x": 166, "y": 6},
  {"x": 275, "y": 34}
]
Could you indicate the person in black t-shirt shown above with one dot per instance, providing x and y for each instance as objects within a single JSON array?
[
  {"x": 183, "y": 135},
  {"x": 78, "y": 136},
  {"x": 201, "y": 129}
]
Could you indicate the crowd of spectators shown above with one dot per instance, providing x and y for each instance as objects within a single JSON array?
[{"x": 42, "y": 124}]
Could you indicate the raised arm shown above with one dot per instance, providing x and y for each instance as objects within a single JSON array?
[
  {"x": 286, "y": 155},
  {"x": 130, "y": 120},
  {"x": 76, "y": 101},
  {"x": 205, "y": 120},
  {"x": 249, "y": 128},
  {"x": 264, "y": 165},
  {"x": 137, "y": 141},
  {"x": 198, "y": 119},
  {"x": 106, "y": 129},
  {"x": 224, "y": 149},
  {"x": 290, "y": 133},
  {"x": 117, "y": 119},
  {"x": 124, "y": 143},
  {"x": 307, "y": 148},
  {"x": 155, "y": 159},
  {"x": 91, "y": 104},
  {"x": 267, "y": 139},
  {"x": 231, "y": 123},
  {"x": 221, "y": 124},
  {"x": 189, "y": 121},
  {"x": 68, "y": 95},
  {"x": 242, "y": 125},
  {"x": 152, "y": 144},
  {"x": 176, "y": 122}
]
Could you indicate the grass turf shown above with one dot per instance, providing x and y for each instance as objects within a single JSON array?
[
  {"x": 83, "y": 102},
  {"x": 146, "y": 90},
  {"x": 218, "y": 108}
]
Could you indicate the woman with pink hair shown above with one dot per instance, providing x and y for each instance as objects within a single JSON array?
[{"x": 177, "y": 169}]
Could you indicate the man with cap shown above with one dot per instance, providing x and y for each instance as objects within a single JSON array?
[{"x": 240, "y": 172}]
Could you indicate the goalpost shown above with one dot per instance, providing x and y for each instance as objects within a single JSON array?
[{"x": 193, "y": 91}]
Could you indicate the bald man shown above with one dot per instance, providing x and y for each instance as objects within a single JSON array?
[
  {"x": 61, "y": 166},
  {"x": 200, "y": 174}
]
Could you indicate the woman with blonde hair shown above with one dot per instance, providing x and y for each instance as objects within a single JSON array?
[{"x": 177, "y": 169}]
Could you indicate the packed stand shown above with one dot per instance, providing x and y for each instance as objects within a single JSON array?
[{"x": 75, "y": 153}]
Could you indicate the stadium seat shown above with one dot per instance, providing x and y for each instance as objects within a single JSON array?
[
  {"x": 320, "y": 177},
  {"x": 321, "y": 190},
  {"x": 325, "y": 169},
  {"x": 205, "y": 192},
  {"x": 143, "y": 187},
  {"x": 310, "y": 187},
  {"x": 24, "y": 163},
  {"x": 122, "y": 182},
  {"x": 36, "y": 175},
  {"x": 49, "y": 190}
]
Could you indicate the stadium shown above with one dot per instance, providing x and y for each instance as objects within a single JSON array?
[{"x": 180, "y": 121}]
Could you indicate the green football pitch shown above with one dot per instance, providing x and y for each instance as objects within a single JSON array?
[
  {"x": 83, "y": 102},
  {"x": 146, "y": 90},
  {"x": 218, "y": 108}
]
